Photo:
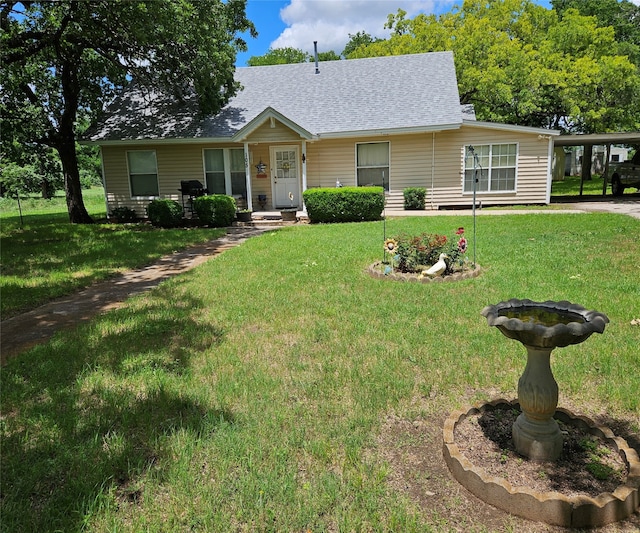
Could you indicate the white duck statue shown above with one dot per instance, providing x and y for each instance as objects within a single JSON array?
[{"x": 437, "y": 269}]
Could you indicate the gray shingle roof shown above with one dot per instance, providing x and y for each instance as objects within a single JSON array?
[{"x": 357, "y": 96}]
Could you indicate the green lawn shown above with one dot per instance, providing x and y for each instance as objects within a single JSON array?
[
  {"x": 570, "y": 186},
  {"x": 46, "y": 257},
  {"x": 248, "y": 394}
]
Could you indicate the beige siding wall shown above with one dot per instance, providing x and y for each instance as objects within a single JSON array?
[
  {"x": 278, "y": 133},
  {"x": 335, "y": 159},
  {"x": 175, "y": 163},
  {"x": 531, "y": 176},
  {"x": 411, "y": 165}
]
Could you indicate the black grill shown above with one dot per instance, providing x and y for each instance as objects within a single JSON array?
[{"x": 191, "y": 189}]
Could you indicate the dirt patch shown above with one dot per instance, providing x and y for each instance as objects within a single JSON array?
[
  {"x": 412, "y": 451},
  {"x": 588, "y": 464}
]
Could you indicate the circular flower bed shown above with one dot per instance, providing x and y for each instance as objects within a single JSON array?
[
  {"x": 424, "y": 258},
  {"x": 377, "y": 270}
]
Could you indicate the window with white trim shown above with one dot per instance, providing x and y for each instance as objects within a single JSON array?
[
  {"x": 225, "y": 171},
  {"x": 143, "y": 173},
  {"x": 372, "y": 164},
  {"x": 495, "y": 167}
]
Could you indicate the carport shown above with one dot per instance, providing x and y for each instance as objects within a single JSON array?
[{"x": 588, "y": 141}]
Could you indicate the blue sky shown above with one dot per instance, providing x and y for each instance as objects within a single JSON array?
[{"x": 297, "y": 23}]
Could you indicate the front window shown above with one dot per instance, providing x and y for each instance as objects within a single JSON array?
[
  {"x": 238, "y": 173},
  {"x": 373, "y": 164},
  {"x": 493, "y": 165},
  {"x": 143, "y": 173},
  {"x": 214, "y": 171},
  {"x": 225, "y": 171}
]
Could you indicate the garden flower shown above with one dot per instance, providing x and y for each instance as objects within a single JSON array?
[
  {"x": 391, "y": 246},
  {"x": 460, "y": 231},
  {"x": 462, "y": 245}
]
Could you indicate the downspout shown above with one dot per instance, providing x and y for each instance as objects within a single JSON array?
[
  {"x": 304, "y": 172},
  {"x": 549, "y": 169},
  {"x": 433, "y": 165},
  {"x": 247, "y": 173}
]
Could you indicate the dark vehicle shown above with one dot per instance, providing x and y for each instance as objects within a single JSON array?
[{"x": 625, "y": 175}]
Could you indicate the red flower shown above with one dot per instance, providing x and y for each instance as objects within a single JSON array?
[
  {"x": 462, "y": 245},
  {"x": 460, "y": 231}
]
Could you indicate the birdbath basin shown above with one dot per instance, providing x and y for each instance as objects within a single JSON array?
[{"x": 541, "y": 327}]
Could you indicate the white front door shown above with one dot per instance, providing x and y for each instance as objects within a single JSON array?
[{"x": 285, "y": 176}]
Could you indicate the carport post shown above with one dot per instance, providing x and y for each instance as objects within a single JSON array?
[{"x": 606, "y": 169}]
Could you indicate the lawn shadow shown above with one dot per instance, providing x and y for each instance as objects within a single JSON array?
[{"x": 90, "y": 415}]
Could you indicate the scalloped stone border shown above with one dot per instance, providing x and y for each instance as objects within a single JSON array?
[
  {"x": 550, "y": 507},
  {"x": 374, "y": 271}
]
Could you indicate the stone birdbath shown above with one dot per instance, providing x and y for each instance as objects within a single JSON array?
[{"x": 541, "y": 327}]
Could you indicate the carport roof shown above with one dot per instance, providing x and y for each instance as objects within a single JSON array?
[{"x": 597, "y": 138}]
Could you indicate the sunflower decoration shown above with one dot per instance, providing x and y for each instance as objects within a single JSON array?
[{"x": 391, "y": 246}]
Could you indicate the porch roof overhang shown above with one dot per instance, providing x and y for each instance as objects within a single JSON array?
[
  {"x": 268, "y": 114},
  {"x": 598, "y": 138}
]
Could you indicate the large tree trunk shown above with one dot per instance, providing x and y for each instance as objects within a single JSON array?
[
  {"x": 75, "y": 204},
  {"x": 66, "y": 145}
]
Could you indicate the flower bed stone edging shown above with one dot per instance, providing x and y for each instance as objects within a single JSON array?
[
  {"x": 550, "y": 507},
  {"x": 374, "y": 271}
]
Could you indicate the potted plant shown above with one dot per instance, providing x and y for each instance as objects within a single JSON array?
[{"x": 243, "y": 215}]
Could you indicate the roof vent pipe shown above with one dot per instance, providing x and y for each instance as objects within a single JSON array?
[{"x": 315, "y": 53}]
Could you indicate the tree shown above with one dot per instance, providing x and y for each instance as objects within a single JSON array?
[
  {"x": 361, "y": 38},
  {"x": 518, "y": 62},
  {"x": 623, "y": 16},
  {"x": 288, "y": 55},
  {"x": 62, "y": 58},
  {"x": 279, "y": 56},
  {"x": 328, "y": 56}
]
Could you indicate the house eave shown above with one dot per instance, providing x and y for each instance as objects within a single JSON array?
[
  {"x": 131, "y": 142},
  {"x": 510, "y": 127},
  {"x": 388, "y": 131}
]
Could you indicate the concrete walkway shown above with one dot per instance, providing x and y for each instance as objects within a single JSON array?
[
  {"x": 21, "y": 332},
  {"x": 624, "y": 205},
  {"x": 24, "y": 331}
]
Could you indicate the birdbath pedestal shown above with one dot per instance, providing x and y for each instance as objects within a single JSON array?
[{"x": 541, "y": 327}]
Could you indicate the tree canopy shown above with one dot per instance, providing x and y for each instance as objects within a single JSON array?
[
  {"x": 288, "y": 55},
  {"x": 64, "y": 59},
  {"x": 521, "y": 63},
  {"x": 623, "y": 16},
  {"x": 279, "y": 56}
]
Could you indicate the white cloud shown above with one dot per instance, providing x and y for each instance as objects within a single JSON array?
[{"x": 331, "y": 21}]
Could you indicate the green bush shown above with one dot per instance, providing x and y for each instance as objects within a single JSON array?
[
  {"x": 124, "y": 214},
  {"x": 165, "y": 213},
  {"x": 216, "y": 210},
  {"x": 414, "y": 198},
  {"x": 344, "y": 204}
]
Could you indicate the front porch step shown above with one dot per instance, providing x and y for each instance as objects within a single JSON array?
[{"x": 272, "y": 218}]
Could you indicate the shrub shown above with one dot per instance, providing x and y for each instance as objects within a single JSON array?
[
  {"x": 414, "y": 198},
  {"x": 165, "y": 213},
  {"x": 124, "y": 214},
  {"x": 216, "y": 210},
  {"x": 344, "y": 204}
]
